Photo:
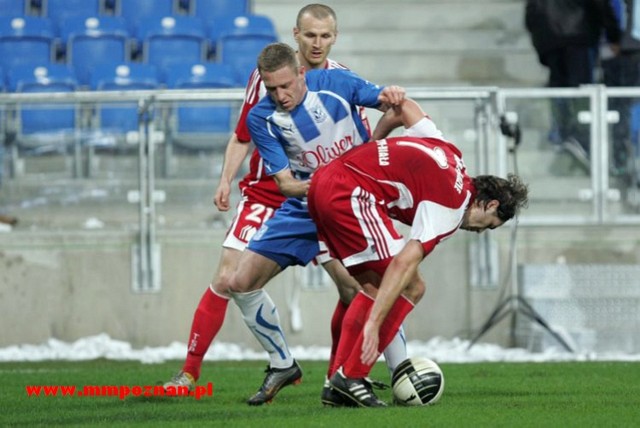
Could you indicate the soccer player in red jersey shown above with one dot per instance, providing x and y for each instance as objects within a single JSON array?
[{"x": 420, "y": 180}]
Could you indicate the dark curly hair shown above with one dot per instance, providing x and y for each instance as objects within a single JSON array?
[{"x": 512, "y": 193}]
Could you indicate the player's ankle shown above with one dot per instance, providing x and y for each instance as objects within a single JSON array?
[{"x": 193, "y": 372}]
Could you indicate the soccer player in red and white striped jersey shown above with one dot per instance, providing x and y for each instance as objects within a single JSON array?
[{"x": 420, "y": 180}]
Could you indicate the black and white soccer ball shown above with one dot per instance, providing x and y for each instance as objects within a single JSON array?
[{"x": 417, "y": 381}]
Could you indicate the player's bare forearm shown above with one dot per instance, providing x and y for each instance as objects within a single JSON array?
[
  {"x": 410, "y": 113},
  {"x": 234, "y": 155},
  {"x": 397, "y": 277},
  {"x": 401, "y": 272},
  {"x": 389, "y": 121},
  {"x": 406, "y": 114},
  {"x": 291, "y": 187}
]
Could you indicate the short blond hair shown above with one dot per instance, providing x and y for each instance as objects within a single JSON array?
[{"x": 276, "y": 56}]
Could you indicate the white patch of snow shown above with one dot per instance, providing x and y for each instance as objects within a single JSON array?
[{"x": 438, "y": 349}]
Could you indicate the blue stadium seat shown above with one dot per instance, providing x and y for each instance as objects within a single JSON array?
[
  {"x": 240, "y": 25},
  {"x": 13, "y": 8},
  {"x": 25, "y": 40},
  {"x": 44, "y": 78},
  {"x": 115, "y": 124},
  {"x": 44, "y": 128},
  {"x": 135, "y": 12},
  {"x": 122, "y": 117},
  {"x": 200, "y": 75},
  {"x": 194, "y": 123},
  {"x": 125, "y": 76},
  {"x": 240, "y": 40},
  {"x": 173, "y": 40},
  {"x": 635, "y": 127},
  {"x": 2, "y": 117},
  {"x": 94, "y": 41},
  {"x": 59, "y": 10},
  {"x": 211, "y": 10}
]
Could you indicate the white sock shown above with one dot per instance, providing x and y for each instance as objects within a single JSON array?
[
  {"x": 261, "y": 316},
  {"x": 396, "y": 351}
]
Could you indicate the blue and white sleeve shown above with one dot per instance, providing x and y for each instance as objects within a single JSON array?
[
  {"x": 364, "y": 93},
  {"x": 271, "y": 150}
]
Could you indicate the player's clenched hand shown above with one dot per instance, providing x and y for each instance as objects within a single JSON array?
[
  {"x": 221, "y": 197},
  {"x": 392, "y": 95},
  {"x": 370, "y": 343}
]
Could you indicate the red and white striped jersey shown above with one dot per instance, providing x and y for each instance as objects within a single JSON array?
[{"x": 421, "y": 181}]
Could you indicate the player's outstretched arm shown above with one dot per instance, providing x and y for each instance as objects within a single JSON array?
[
  {"x": 290, "y": 186},
  {"x": 390, "y": 120},
  {"x": 234, "y": 155},
  {"x": 406, "y": 114}
]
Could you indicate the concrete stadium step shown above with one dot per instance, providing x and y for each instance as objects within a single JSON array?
[
  {"x": 447, "y": 69},
  {"x": 105, "y": 203},
  {"x": 383, "y": 14},
  {"x": 432, "y": 42}
]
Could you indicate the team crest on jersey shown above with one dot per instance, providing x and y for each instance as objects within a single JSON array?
[{"x": 319, "y": 115}]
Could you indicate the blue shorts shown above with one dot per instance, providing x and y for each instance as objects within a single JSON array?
[{"x": 289, "y": 237}]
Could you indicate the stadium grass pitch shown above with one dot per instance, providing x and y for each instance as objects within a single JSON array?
[{"x": 582, "y": 394}]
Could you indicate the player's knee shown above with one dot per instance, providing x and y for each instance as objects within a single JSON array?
[
  {"x": 234, "y": 286},
  {"x": 240, "y": 283},
  {"x": 220, "y": 285}
]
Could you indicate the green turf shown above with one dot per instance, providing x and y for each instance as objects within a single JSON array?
[{"x": 588, "y": 394}]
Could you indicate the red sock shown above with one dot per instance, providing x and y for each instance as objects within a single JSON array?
[
  {"x": 353, "y": 366},
  {"x": 336, "y": 328},
  {"x": 351, "y": 328},
  {"x": 207, "y": 321}
]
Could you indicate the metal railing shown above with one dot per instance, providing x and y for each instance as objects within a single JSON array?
[
  {"x": 474, "y": 121},
  {"x": 602, "y": 193}
]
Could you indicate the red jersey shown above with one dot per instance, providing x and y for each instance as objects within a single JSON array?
[
  {"x": 419, "y": 181},
  {"x": 422, "y": 182},
  {"x": 256, "y": 184}
]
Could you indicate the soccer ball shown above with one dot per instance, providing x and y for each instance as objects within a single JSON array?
[{"x": 417, "y": 382}]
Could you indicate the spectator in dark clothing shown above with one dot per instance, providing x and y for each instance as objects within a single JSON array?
[
  {"x": 624, "y": 70},
  {"x": 566, "y": 36}
]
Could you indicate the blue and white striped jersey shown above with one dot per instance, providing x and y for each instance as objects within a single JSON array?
[{"x": 326, "y": 124}]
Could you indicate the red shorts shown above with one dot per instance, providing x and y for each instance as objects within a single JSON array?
[
  {"x": 260, "y": 198},
  {"x": 250, "y": 215},
  {"x": 355, "y": 227}
]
